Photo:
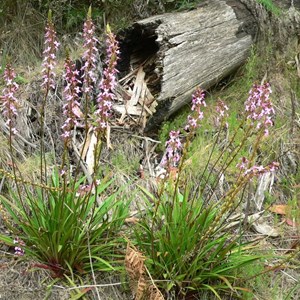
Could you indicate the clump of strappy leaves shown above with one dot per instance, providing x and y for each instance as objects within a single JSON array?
[
  {"x": 184, "y": 233},
  {"x": 67, "y": 222}
]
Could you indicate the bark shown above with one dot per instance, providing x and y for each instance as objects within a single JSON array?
[
  {"x": 280, "y": 30},
  {"x": 187, "y": 49}
]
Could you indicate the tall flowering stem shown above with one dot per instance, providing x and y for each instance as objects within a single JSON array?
[
  {"x": 71, "y": 95},
  {"x": 222, "y": 113},
  {"x": 107, "y": 83},
  {"x": 260, "y": 111},
  {"x": 90, "y": 59},
  {"x": 71, "y": 109},
  {"x": 194, "y": 120},
  {"x": 90, "y": 55},
  {"x": 259, "y": 108},
  {"x": 174, "y": 149},
  {"x": 9, "y": 107},
  {"x": 49, "y": 54},
  {"x": 88, "y": 74},
  {"x": 106, "y": 95},
  {"x": 48, "y": 74},
  {"x": 105, "y": 98},
  {"x": 9, "y": 102}
]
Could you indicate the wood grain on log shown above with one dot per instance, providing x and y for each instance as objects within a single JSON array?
[{"x": 197, "y": 47}]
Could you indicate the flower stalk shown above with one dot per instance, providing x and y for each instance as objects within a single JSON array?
[
  {"x": 90, "y": 60},
  {"x": 106, "y": 94},
  {"x": 48, "y": 75},
  {"x": 9, "y": 105},
  {"x": 108, "y": 83}
]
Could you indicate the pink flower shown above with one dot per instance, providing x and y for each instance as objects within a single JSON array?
[
  {"x": 221, "y": 109},
  {"x": 107, "y": 83},
  {"x": 259, "y": 108},
  {"x": 259, "y": 170},
  {"x": 90, "y": 55},
  {"x": 71, "y": 91},
  {"x": 173, "y": 151},
  {"x": 18, "y": 250},
  {"x": 9, "y": 102},
  {"x": 49, "y": 60},
  {"x": 243, "y": 164},
  {"x": 193, "y": 121}
]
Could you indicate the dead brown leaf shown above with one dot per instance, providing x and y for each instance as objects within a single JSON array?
[{"x": 280, "y": 209}]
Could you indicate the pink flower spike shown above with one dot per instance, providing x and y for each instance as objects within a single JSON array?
[
  {"x": 9, "y": 102},
  {"x": 71, "y": 95},
  {"x": 221, "y": 109},
  {"x": 173, "y": 151},
  {"x": 90, "y": 55},
  {"x": 259, "y": 170},
  {"x": 193, "y": 121},
  {"x": 259, "y": 108},
  {"x": 49, "y": 60},
  {"x": 107, "y": 83}
]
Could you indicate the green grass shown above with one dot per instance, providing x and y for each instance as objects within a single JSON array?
[
  {"x": 124, "y": 163},
  {"x": 270, "y": 6}
]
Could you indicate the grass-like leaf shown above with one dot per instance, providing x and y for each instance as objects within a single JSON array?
[
  {"x": 58, "y": 225},
  {"x": 171, "y": 236}
]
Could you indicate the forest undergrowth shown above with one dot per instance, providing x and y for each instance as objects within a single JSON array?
[{"x": 220, "y": 218}]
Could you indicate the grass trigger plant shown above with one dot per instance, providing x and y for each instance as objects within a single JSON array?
[
  {"x": 183, "y": 233},
  {"x": 71, "y": 223},
  {"x": 9, "y": 108},
  {"x": 48, "y": 84},
  {"x": 49, "y": 54},
  {"x": 71, "y": 95},
  {"x": 107, "y": 83},
  {"x": 90, "y": 55},
  {"x": 61, "y": 224},
  {"x": 9, "y": 102}
]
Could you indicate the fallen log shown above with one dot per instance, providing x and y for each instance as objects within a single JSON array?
[{"x": 179, "y": 51}]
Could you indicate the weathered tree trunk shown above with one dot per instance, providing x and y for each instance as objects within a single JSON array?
[
  {"x": 278, "y": 30},
  {"x": 198, "y": 47}
]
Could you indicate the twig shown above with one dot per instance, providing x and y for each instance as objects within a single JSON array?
[
  {"x": 92, "y": 268},
  {"x": 290, "y": 276},
  {"x": 83, "y": 167},
  {"x": 146, "y": 139}
]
